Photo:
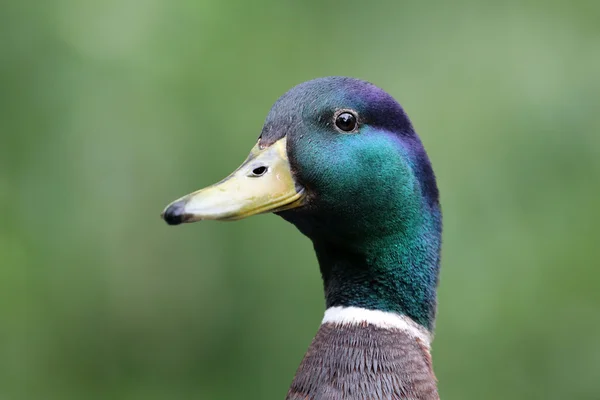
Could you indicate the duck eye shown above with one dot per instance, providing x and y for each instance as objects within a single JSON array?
[{"x": 346, "y": 121}]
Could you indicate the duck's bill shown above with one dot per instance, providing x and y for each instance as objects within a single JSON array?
[{"x": 263, "y": 183}]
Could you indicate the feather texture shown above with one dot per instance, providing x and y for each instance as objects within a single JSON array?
[{"x": 364, "y": 362}]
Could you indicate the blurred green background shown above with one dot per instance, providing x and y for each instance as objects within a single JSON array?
[{"x": 111, "y": 109}]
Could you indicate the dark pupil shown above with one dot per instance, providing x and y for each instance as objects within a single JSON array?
[{"x": 346, "y": 122}]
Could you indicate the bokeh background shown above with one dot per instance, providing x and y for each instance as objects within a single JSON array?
[{"x": 111, "y": 109}]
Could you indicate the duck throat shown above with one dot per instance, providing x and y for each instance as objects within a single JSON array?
[
  {"x": 391, "y": 274},
  {"x": 364, "y": 354}
]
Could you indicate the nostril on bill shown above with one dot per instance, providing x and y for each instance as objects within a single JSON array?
[
  {"x": 174, "y": 214},
  {"x": 259, "y": 171}
]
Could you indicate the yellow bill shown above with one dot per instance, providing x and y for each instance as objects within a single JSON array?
[{"x": 263, "y": 183}]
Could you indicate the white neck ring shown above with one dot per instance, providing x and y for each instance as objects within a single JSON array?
[{"x": 381, "y": 319}]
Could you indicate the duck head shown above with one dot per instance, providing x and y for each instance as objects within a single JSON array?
[{"x": 339, "y": 158}]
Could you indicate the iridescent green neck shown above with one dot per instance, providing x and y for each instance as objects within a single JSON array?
[{"x": 396, "y": 273}]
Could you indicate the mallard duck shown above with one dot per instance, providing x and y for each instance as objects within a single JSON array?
[{"x": 339, "y": 158}]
